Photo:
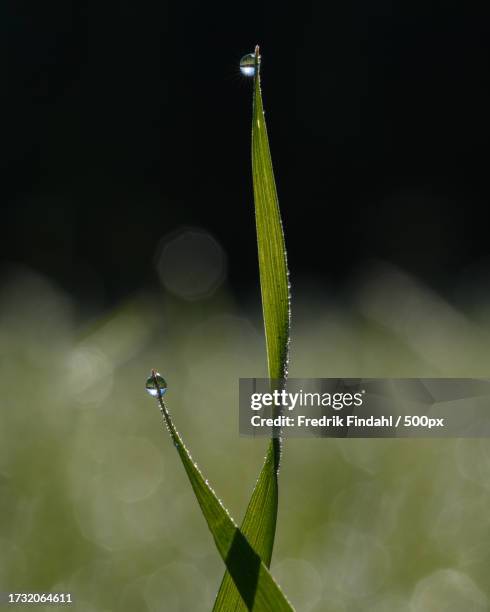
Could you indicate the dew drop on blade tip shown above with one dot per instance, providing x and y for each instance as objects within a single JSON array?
[
  {"x": 247, "y": 64},
  {"x": 156, "y": 385}
]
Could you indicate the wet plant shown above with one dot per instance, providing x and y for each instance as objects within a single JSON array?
[{"x": 247, "y": 550}]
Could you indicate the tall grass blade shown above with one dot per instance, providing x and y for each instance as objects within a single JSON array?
[{"x": 259, "y": 523}]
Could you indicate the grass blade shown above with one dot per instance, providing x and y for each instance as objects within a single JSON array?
[
  {"x": 259, "y": 523},
  {"x": 274, "y": 284},
  {"x": 257, "y": 588}
]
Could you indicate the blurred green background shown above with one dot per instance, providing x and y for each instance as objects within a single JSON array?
[{"x": 94, "y": 500}]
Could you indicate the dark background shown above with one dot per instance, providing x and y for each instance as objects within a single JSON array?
[{"x": 123, "y": 121}]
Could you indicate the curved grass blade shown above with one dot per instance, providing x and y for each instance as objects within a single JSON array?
[
  {"x": 259, "y": 523},
  {"x": 256, "y": 586}
]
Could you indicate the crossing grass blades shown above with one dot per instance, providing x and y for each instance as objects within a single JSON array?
[{"x": 247, "y": 550}]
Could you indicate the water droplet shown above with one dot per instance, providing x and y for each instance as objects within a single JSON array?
[
  {"x": 154, "y": 388},
  {"x": 247, "y": 64}
]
